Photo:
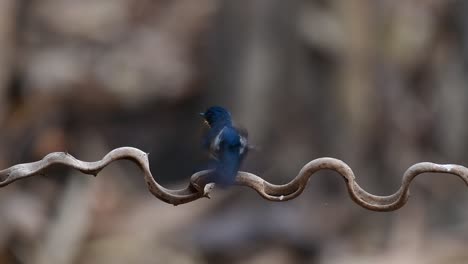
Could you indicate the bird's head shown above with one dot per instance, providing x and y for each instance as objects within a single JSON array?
[{"x": 216, "y": 115}]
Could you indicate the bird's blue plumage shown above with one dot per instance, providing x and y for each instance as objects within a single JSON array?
[{"x": 226, "y": 145}]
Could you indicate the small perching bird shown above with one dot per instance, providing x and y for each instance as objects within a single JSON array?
[{"x": 226, "y": 144}]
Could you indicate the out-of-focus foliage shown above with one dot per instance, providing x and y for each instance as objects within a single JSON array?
[{"x": 379, "y": 84}]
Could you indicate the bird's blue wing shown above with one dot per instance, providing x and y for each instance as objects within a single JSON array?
[
  {"x": 229, "y": 157},
  {"x": 227, "y": 167}
]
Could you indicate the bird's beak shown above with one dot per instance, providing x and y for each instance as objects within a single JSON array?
[{"x": 205, "y": 121}]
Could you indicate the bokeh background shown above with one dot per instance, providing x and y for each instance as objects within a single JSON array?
[{"x": 380, "y": 84}]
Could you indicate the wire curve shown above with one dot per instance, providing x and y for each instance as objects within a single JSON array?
[{"x": 200, "y": 186}]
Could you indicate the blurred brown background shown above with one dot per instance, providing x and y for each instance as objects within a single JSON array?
[{"x": 379, "y": 84}]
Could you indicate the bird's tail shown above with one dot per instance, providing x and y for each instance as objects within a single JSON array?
[{"x": 228, "y": 167}]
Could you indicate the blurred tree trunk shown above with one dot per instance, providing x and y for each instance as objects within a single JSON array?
[
  {"x": 8, "y": 18},
  {"x": 356, "y": 92},
  {"x": 253, "y": 53}
]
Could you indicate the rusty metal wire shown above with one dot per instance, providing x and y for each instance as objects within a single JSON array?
[{"x": 200, "y": 186}]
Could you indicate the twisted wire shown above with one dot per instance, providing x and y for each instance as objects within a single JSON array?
[{"x": 200, "y": 186}]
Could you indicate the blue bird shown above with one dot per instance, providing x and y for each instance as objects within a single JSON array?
[{"x": 226, "y": 144}]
